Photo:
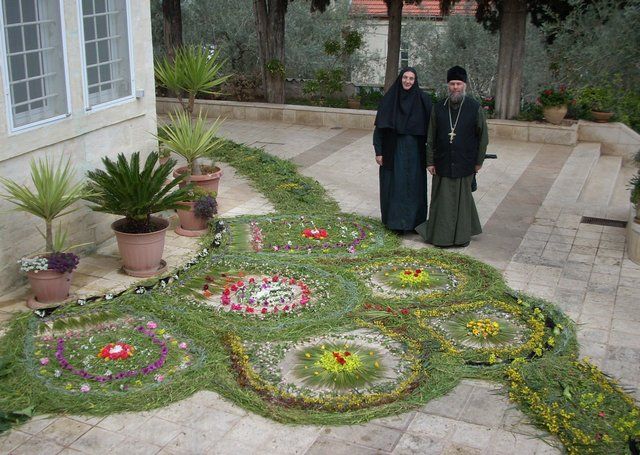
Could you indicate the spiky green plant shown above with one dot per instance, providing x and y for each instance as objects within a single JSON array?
[
  {"x": 194, "y": 70},
  {"x": 54, "y": 193},
  {"x": 192, "y": 140},
  {"x": 126, "y": 190}
]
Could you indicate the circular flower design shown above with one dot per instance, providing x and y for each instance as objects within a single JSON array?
[
  {"x": 483, "y": 328},
  {"x": 408, "y": 279},
  {"x": 116, "y": 351},
  {"x": 357, "y": 369},
  {"x": 261, "y": 295},
  {"x": 87, "y": 360}
]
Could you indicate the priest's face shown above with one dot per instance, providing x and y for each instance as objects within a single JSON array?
[
  {"x": 408, "y": 79},
  {"x": 456, "y": 90}
]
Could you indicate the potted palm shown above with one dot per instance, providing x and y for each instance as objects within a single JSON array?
[
  {"x": 194, "y": 70},
  {"x": 193, "y": 141},
  {"x": 124, "y": 189},
  {"x": 50, "y": 272},
  {"x": 196, "y": 213}
]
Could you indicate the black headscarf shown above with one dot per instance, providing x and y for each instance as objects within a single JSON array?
[{"x": 404, "y": 111}]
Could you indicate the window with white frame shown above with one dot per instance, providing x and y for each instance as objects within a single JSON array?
[
  {"x": 106, "y": 51},
  {"x": 36, "y": 83},
  {"x": 404, "y": 54}
]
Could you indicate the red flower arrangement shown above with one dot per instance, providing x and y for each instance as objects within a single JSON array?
[
  {"x": 316, "y": 234},
  {"x": 116, "y": 351}
]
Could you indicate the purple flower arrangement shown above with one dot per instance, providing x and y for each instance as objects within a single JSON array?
[
  {"x": 62, "y": 262},
  {"x": 205, "y": 207}
]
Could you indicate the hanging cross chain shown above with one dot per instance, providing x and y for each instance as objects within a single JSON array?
[{"x": 451, "y": 135}]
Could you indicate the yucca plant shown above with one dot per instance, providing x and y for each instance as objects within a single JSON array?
[
  {"x": 192, "y": 140},
  {"x": 125, "y": 189},
  {"x": 194, "y": 70},
  {"x": 54, "y": 193}
]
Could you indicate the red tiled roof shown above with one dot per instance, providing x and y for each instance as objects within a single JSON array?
[{"x": 427, "y": 8}]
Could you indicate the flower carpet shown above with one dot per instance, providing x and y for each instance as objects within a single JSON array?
[{"x": 318, "y": 318}]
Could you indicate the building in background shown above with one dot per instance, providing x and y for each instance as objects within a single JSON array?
[{"x": 77, "y": 81}]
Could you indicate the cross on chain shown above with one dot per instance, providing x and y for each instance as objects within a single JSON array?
[{"x": 451, "y": 135}]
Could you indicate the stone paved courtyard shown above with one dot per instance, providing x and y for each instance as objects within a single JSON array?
[{"x": 531, "y": 202}]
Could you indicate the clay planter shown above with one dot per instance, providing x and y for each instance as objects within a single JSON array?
[
  {"x": 353, "y": 103},
  {"x": 142, "y": 253},
  {"x": 190, "y": 224},
  {"x": 601, "y": 117},
  {"x": 49, "y": 287},
  {"x": 209, "y": 181},
  {"x": 554, "y": 114}
]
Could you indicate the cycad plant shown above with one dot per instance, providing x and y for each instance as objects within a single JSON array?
[
  {"x": 189, "y": 139},
  {"x": 53, "y": 194},
  {"x": 194, "y": 70},
  {"x": 125, "y": 189}
]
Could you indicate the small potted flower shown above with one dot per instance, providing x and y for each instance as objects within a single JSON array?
[
  {"x": 136, "y": 191},
  {"x": 554, "y": 102},
  {"x": 599, "y": 101},
  {"x": 196, "y": 212},
  {"x": 49, "y": 272}
]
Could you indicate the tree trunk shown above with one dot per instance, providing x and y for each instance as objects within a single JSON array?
[
  {"x": 172, "y": 26},
  {"x": 270, "y": 16},
  {"x": 48, "y": 237},
  {"x": 394, "y": 9},
  {"x": 513, "y": 26}
]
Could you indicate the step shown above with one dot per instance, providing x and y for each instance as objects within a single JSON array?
[
  {"x": 572, "y": 177},
  {"x": 599, "y": 187}
]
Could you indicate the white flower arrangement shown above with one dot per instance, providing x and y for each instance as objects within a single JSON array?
[{"x": 33, "y": 264}]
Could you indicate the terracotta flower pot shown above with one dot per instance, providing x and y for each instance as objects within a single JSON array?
[
  {"x": 554, "y": 114},
  {"x": 142, "y": 253},
  {"x": 49, "y": 286},
  {"x": 208, "y": 181},
  {"x": 190, "y": 224},
  {"x": 601, "y": 117},
  {"x": 353, "y": 103}
]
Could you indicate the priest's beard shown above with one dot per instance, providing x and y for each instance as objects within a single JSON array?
[{"x": 456, "y": 97}]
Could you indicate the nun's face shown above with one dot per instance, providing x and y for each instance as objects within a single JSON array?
[{"x": 408, "y": 79}]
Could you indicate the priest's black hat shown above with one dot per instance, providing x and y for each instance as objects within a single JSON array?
[{"x": 457, "y": 73}]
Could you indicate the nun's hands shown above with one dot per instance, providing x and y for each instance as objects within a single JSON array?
[
  {"x": 379, "y": 160},
  {"x": 431, "y": 170}
]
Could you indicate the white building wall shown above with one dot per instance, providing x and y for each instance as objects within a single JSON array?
[{"x": 84, "y": 136}]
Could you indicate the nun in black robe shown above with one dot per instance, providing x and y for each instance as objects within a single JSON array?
[{"x": 400, "y": 138}]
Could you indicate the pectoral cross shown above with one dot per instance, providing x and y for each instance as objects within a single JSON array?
[{"x": 451, "y": 135}]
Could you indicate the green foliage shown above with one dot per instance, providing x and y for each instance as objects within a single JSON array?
[
  {"x": 462, "y": 41},
  {"x": 278, "y": 179},
  {"x": 192, "y": 140},
  {"x": 194, "y": 70},
  {"x": 634, "y": 186},
  {"x": 530, "y": 112},
  {"x": 54, "y": 193},
  {"x": 125, "y": 189},
  {"x": 275, "y": 67},
  {"x": 596, "y": 98},
  {"x": 370, "y": 97},
  {"x": 328, "y": 82}
]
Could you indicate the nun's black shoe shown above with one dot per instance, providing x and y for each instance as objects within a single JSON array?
[{"x": 462, "y": 245}]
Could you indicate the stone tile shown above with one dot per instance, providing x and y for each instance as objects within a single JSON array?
[
  {"x": 410, "y": 444},
  {"x": 368, "y": 435},
  {"x": 157, "y": 431},
  {"x": 36, "y": 424},
  {"x": 323, "y": 446},
  {"x": 64, "y": 431},
  {"x": 472, "y": 435},
  {"x": 192, "y": 441},
  {"x": 485, "y": 407},
  {"x": 457, "y": 449},
  {"x": 127, "y": 422},
  {"x": 432, "y": 426},
  {"x": 132, "y": 446},
  {"x": 37, "y": 446},
  {"x": 98, "y": 441},
  {"x": 12, "y": 439},
  {"x": 506, "y": 443},
  {"x": 450, "y": 405},
  {"x": 399, "y": 422}
]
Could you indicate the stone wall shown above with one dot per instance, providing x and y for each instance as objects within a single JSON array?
[{"x": 84, "y": 136}]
